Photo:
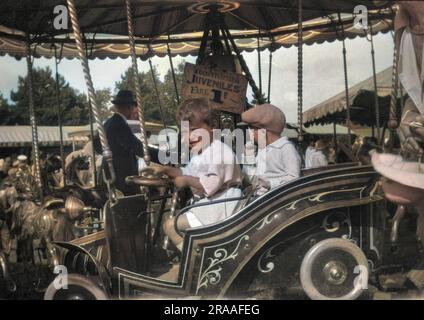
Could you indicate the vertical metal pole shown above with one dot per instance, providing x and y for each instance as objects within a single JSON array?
[
  {"x": 152, "y": 71},
  {"x": 269, "y": 75},
  {"x": 174, "y": 79},
  {"x": 376, "y": 103},
  {"x": 335, "y": 136},
  {"x": 259, "y": 62},
  {"x": 34, "y": 130},
  {"x": 393, "y": 121},
  {"x": 130, "y": 21},
  {"x": 257, "y": 94},
  {"x": 107, "y": 153},
  {"x": 300, "y": 75},
  {"x": 59, "y": 114},
  {"x": 346, "y": 80},
  {"x": 93, "y": 151}
]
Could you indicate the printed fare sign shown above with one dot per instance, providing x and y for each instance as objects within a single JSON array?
[{"x": 226, "y": 91}]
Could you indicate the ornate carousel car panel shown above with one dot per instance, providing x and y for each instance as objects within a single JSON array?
[{"x": 334, "y": 204}]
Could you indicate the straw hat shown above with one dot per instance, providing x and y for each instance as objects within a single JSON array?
[{"x": 395, "y": 168}]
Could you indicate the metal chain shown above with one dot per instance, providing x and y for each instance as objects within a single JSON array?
[
  {"x": 300, "y": 74},
  {"x": 136, "y": 80},
  {"x": 34, "y": 130},
  {"x": 59, "y": 113},
  {"x": 107, "y": 153}
]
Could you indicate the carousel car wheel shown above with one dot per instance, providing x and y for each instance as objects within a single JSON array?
[
  {"x": 334, "y": 269},
  {"x": 78, "y": 288}
]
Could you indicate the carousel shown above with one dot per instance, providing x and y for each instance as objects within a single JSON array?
[{"x": 329, "y": 234}]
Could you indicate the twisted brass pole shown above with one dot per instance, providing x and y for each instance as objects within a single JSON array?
[
  {"x": 130, "y": 20},
  {"x": 300, "y": 74},
  {"x": 107, "y": 153},
  {"x": 34, "y": 130}
]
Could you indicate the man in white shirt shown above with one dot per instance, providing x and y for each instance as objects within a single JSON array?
[
  {"x": 278, "y": 161},
  {"x": 319, "y": 157},
  {"x": 309, "y": 151}
]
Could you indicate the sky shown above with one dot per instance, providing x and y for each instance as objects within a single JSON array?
[{"x": 323, "y": 70}]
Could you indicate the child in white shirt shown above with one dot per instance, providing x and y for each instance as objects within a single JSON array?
[
  {"x": 277, "y": 161},
  {"x": 212, "y": 173}
]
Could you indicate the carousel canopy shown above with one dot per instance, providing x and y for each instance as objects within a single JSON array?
[
  {"x": 362, "y": 99},
  {"x": 179, "y": 24}
]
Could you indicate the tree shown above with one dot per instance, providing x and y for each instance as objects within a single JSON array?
[
  {"x": 103, "y": 98},
  {"x": 150, "y": 101},
  {"x": 74, "y": 104},
  {"x": 170, "y": 96},
  {"x": 6, "y": 114}
]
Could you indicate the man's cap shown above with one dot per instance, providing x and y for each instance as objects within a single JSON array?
[
  {"x": 265, "y": 116},
  {"x": 124, "y": 97}
]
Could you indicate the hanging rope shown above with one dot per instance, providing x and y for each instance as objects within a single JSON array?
[
  {"x": 300, "y": 75},
  {"x": 107, "y": 154},
  {"x": 376, "y": 102},
  {"x": 174, "y": 79},
  {"x": 34, "y": 130},
  {"x": 59, "y": 113},
  {"x": 136, "y": 80},
  {"x": 162, "y": 114},
  {"x": 346, "y": 81}
]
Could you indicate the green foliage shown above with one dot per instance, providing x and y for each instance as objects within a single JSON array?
[
  {"x": 74, "y": 105},
  {"x": 6, "y": 113},
  {"x": 149, "y": 98},
  {"x": 104, "y": 98}
]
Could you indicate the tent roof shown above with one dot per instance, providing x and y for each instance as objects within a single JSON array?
[
  {"x": 21, "y": 136},
  {"x": 104, "y": 23},
  {"x": 361, "y": 97}
]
